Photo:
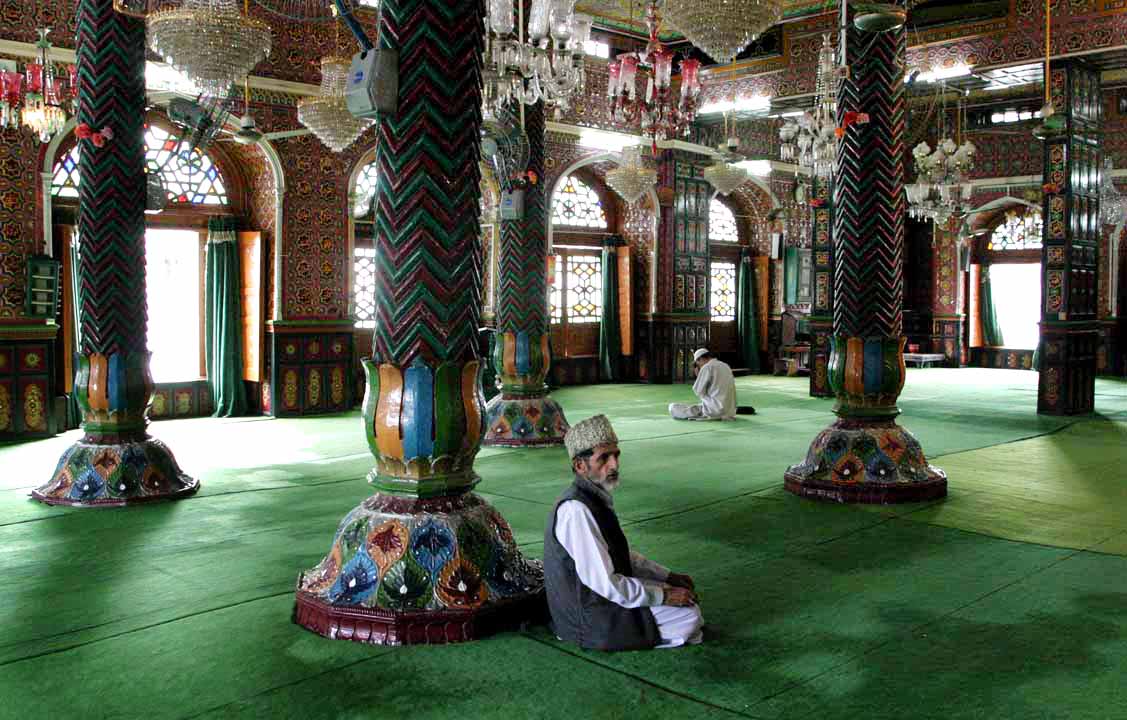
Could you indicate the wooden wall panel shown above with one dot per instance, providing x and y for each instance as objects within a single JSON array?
[
  {"x": 625, "y": 299},
  {"x": 250, "y": 258}
]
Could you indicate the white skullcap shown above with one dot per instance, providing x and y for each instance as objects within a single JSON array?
[
  {"x": 698, "y": 353},
  {"x": 588, "y": 434}
]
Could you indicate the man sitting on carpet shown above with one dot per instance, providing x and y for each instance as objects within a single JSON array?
[
  {"x": 716, "y": 387},
  {"x": 602, "y": 595}
]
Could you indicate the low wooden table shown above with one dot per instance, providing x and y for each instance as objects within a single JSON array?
[
  {"x": 924, "y": 359},
  {"x": 795, "y": 360}
]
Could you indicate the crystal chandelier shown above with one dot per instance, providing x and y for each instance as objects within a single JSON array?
[
  {"x": 722, "y": 28},
  {"x": 810, "y": 140},
  {"x": 1112, "y": 202},
  {"x": 548, "y": 66},
  {"x": 327, "y": 115},
  {"x": 723, "y": 175},
  {"x": 210, "y": 42},
  {"x": 631, "y": 179},
  {"x": 660, "y": 116},
  {"x": 41, "y": 107},
  {"x": 941, "y": 190}
]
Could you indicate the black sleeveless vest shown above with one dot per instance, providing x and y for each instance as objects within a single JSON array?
[{"x": 579, "y": 614}]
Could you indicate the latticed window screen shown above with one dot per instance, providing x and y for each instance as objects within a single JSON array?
[
  {"x": 1017, "y": 232},
  {"x": 364, "y": 191},
  {"x": 555, "y": 292},
  {"x": 723, "y": 291},
  {"x": 364, "y": 287},
  {"x": 575, "y": 204},
  {"x": 584, "y": 288},
  {"x": 189, "y": 176},
  {"x": 721, "y": 223}
]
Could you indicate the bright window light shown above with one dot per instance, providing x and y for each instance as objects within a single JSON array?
[
  {"x": 944, "y": 73},
  {"x": 159, "y": 76},
  {"x": 172, "y": 288},
  {"x": 596, "y": 48},
  {"x": 1016, "y": 288},
  {"x": 606, "y": 140},
  {"x": 751, "y": 103},
  {"x": 759, "y": 168}
]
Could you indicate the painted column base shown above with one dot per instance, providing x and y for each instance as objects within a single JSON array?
[
  {"x": 127, "y": 472},
  {"x": 404, "y": 570},
  {"x": 524, "y": 422},
  {"x": 866, "y": 461}
]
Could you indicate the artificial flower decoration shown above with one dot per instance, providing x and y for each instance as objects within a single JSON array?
[
  {"x": 100, "y": 137},
  {"x": 851, "y": 118},
  {"x": 1051, "y": 188}
]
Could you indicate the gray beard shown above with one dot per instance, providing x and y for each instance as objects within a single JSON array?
[{"x": 608, "y": 485}]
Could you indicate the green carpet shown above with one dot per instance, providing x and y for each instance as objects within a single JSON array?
[{"x": 1004, "y": 600}]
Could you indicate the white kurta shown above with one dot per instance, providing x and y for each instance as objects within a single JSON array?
[
  {"x": 578, "y": 533},
  {"x": 716, "y": 387}
]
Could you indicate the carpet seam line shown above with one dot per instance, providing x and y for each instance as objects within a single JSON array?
[
  {"x": 141, "y": 628},
  {"x": 638, "y": 678}
]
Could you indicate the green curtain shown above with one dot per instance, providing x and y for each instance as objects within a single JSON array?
[
  {"x": 74, "y": 414},
  {"x": 991, "y": 330},
  {"x": 223, "y": 321},
  {"x": 747, "y": 323},
  {"x": 610, "y": 340}
]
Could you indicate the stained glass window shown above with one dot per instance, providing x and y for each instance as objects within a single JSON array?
[
  {"x": 723, "y": 291},
  {"x": 364, "y": 191},
  {"x": 555, "y": 291},
  {"x": 364, "y": 287},
  {"x": 189, "y": 176},
  {"x": 721, "y": 223},
  {"x": 65, "y": 182},
  {"x": 1017, "y": 232},
  {"x": 577, "y": 205},
  {"x": 584, "y": 288}
]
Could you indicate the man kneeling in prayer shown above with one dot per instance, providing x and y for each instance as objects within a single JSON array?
[
  {"x": 716, "y": 387},
  {"x": 602, "y": 595}
]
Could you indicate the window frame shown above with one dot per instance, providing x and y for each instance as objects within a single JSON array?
[
  {"x": 712, "y": 292},
  {"x": 574, "y": 335},
  {"x": 202, "y": 280},
  {"x": 234, "y": 182}
]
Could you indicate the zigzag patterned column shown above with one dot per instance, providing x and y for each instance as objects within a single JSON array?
[
  {"x": 865, "y": 456},
  {"x": 523, "y": 415},
  {"x": 116, "y": 463},
  {"x": 425, "y": 560}
]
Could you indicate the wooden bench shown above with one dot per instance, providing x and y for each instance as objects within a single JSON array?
[{"x": 924, "y": 359}]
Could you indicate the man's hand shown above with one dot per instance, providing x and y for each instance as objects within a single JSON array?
[
  {"x": 681, "y": 581},
  {"x": 679, "y": 597}
]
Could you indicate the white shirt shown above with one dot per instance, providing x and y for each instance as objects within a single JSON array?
[
  {"x": 716, "y": 387},
  {"x": 578, "y": 533}
]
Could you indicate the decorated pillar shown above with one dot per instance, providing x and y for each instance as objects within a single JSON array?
[
  {"x": 822, "y": 307},
  {"x": 424, "y": 559},
  {"x": 1070, "y": 247},
  {"x": 523, "y": 415},
  {"x": 116, "y": 462},
  {"x": 947, "y": 299},
  {"x": 865, "y": 456}
]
